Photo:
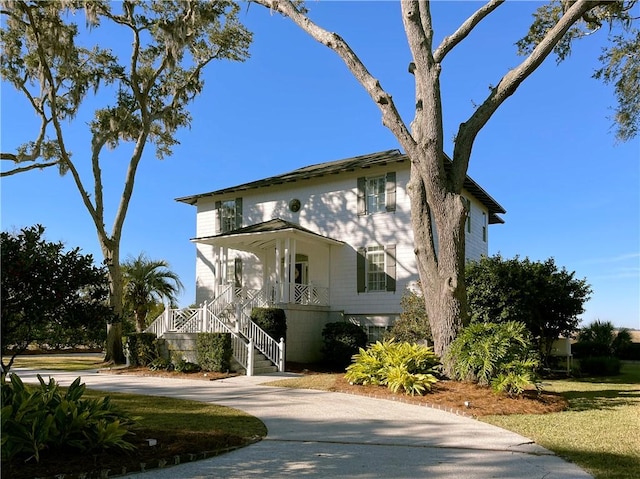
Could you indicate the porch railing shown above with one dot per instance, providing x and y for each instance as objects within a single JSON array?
[{"x": 306, "y": 294}]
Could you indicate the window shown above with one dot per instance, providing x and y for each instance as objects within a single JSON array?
[
  {"x": 375, "y": 191},
  {"x": 234, "y": 272},
  {"x": 484, "y": 226},
  {"x": 376, "y": 333},
  {"x": 377, "y": 194},
  {"x": 376, "y": 269},
  {"x": 229, "y": 215},
  {"x": 376, "y": 275},
  {"x": 467, "y": 204}
]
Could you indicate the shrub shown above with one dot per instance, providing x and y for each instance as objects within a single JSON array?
[
  {"x": 631, "y": 352},
  {"x": 600, "y": 339},
  {"x": 600, "y": 366},
  {"x": 585, "y": 349},
  {"x": 413, "y": 324},
  {"x": 142, "y": 348},
  {"x": 621, "y": 343},
  {"x": 214, "y": 351},
  {"x": 160, "y": 364},
  {"x": 272, "y": 320},
  {"x": 498, "y": 354},
  {"x": 34, "y": 420},
  {"x": 183, "y": 366},
  {"x": 340, "y": 342},
  {"x": 401, "y": 366}
]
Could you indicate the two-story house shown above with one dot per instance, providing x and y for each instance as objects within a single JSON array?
[{"x": 326, "y": 242}]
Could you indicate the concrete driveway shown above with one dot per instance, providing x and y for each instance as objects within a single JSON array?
[{"x": 327, "y": 435}]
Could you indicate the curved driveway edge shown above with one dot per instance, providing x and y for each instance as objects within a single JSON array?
[{"x": 324, "y": 434}]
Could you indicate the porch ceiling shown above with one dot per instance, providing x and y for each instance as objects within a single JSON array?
[{"x": 263, "y": 236}]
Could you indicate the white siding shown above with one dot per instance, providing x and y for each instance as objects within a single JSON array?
[{"x": 329, "y": 207}]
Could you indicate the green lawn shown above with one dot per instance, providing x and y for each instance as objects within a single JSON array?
[
  {"x": 601, "y": 430},
  {"x": 181, "y": 415},
  {"x": 59, "y": 362}
]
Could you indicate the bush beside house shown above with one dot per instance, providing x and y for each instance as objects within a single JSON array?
[{"x": 341, "y": 341}]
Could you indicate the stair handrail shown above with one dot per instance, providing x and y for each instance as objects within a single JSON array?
[{"x": 271, "y": 348}]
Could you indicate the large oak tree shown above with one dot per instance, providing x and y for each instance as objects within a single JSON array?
[
  {"x": 59, "y": 67},
  {"x": 435, "y": 190}
]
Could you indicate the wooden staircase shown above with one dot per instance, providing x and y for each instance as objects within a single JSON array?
[{"x": 261, "y": 365}]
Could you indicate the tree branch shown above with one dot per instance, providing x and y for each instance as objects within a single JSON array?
[
  {"x": 64, "y": 155},
  {"x": 508, "y": 85},
  {"x": 25, "y": 168},
  {"x": 127, "y": 191},
  {"x": 390, "y": 116},
  {"x": 448, "y": 43}
]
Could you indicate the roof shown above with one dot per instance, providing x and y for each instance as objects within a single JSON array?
[
  {"x": 348, "y": 165},
  {"x": 261, "y": 235}
]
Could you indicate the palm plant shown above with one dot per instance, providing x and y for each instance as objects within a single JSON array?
[{"x": 146, "y": 283}]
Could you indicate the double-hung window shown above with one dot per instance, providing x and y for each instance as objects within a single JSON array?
[
  {"x": 376, "y": 268},
  {"x": 376, "y": 197},
  {"x": 376, "y": 275},
  {"x": 377, "y": 194},
  {"x": 229, "y": 215}
]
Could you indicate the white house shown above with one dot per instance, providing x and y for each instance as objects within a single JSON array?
[{"x": 326, "y": 242}]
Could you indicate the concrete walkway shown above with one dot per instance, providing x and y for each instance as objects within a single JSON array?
[{"x": 325, "y": 435}]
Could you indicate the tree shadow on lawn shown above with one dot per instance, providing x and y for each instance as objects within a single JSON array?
[
  {"x": 603, "y": 465},
  {"x": 604, "y": 399}
]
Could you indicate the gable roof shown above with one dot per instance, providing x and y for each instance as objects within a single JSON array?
[{"x": 348, "y": 165}]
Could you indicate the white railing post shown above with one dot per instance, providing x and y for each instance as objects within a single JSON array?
[
  {"x": 238, "y": 316},
  {"x": 167, "y": 312},
  {"x": 250, "y": 358},
  {"x": 201, "y": 320},
  {"x": 281, "y": 362}
]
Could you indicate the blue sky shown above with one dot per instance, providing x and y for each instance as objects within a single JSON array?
[{"x": 548, "y": 156}]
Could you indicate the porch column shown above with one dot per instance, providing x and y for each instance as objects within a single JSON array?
[
  {"x": 287, "y": 270},
  {"x": 223, "y": 270},
  {"x": 217, "y": 279},
  {"x": 292, "y": 268},
  {"x": 278, "y": 285}
]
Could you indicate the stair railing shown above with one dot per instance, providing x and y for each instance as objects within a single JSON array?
[{"x": 272, "y": 349}]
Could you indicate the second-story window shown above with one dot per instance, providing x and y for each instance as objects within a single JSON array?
[
  {"x": 484, "y": 226},
  {"x": 467, "y": 203},
  {"x": 377, "y": 194},
  {"x": 229, "y": 215}
]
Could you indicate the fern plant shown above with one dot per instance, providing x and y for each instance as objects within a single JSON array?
[{"x": 498, "y": 354}]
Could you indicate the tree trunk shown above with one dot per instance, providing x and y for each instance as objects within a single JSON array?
[
  {"x": 140, "y": 315},
  {"x": 440, "y": 252},
  {"x": 114, "y": 350}
]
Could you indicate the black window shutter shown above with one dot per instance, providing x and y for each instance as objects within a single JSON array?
[
  {"x": 362, "y": 258},
  {"x": 362, "y": 210},
  {"x": 238, "y": 213},
  {"x": 218, "y": 207},
  {"x": 237, "y": 270},
  {"x": 391, "y": 191},
  {"x": 390, "y": 251}
]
